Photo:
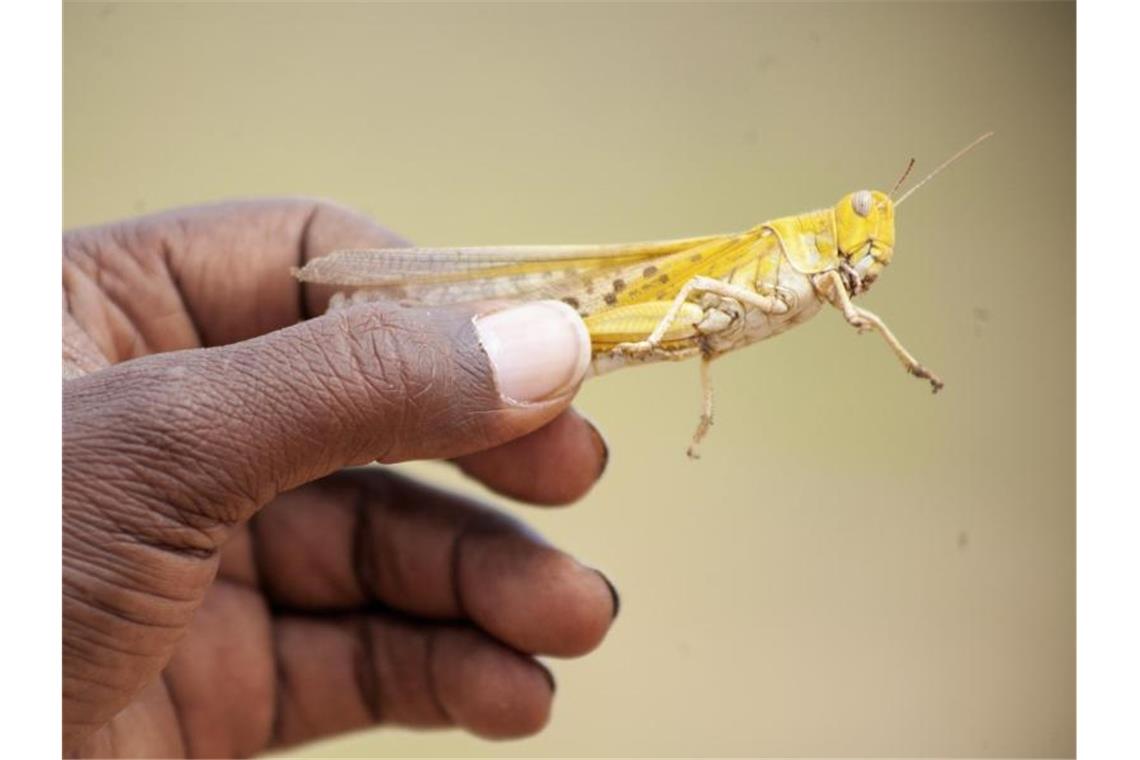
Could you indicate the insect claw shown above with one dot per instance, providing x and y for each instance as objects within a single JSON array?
[
  {"x": 936, "y": 383},
  {"x": 703, "y": 426}
]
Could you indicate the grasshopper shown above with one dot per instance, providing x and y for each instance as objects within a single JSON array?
[{"x": 668, "y": 300}]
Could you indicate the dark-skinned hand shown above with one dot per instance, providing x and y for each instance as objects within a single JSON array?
[{"x": 227, "y": 588}]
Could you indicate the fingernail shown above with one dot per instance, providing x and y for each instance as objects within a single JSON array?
[
  {"x": 600, "y": 445},
  {"x": 549, "y": 676},
  {"x": 537, "y": 350},
  {"x": 613, "y": 593}
]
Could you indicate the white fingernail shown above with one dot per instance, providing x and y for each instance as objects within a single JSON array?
[{"x": 537, "y": 350}]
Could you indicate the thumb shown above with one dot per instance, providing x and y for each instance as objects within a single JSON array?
[
  {"x": 224, "y": 430},
  {"x": 164, "y": 455}
]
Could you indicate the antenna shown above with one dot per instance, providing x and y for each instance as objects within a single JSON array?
[
  {"x": 943, "y": 165},
  {"x": 902, "y": 179}
]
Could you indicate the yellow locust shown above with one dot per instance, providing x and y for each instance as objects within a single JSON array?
[{"x": 669, "y": 300}]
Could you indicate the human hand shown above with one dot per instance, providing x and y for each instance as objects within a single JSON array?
[{"x": 226, "y": 589}]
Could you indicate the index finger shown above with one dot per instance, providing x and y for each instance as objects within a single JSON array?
[{"x": 228, "y": 264}]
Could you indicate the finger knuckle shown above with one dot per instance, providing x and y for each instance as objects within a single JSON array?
[
  {"x": 396, "y": 364},
  {"x": 136, "y": 431}
]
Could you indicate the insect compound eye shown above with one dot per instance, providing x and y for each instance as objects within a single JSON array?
[{"x": 861, "y": 202}]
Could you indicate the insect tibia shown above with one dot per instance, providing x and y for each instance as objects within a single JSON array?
[{"x": 706, "y": 420}]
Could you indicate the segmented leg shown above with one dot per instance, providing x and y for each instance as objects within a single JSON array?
[
  {"x": 767, "y": 304},
  {"x": 909, "y": 362},
  {"x": 863, "y": 320},
  {"x": 706, "y": 408}
]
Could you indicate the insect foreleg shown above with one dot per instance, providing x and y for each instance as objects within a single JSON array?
[
  {"x": 830, "y": 286},
  {"x": 863, "y": 320}
]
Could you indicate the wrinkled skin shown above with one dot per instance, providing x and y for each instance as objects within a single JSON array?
[{"x": 227, "y": 588}]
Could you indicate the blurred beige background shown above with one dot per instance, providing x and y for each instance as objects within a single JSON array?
[{"x": 855, "y": 567}]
